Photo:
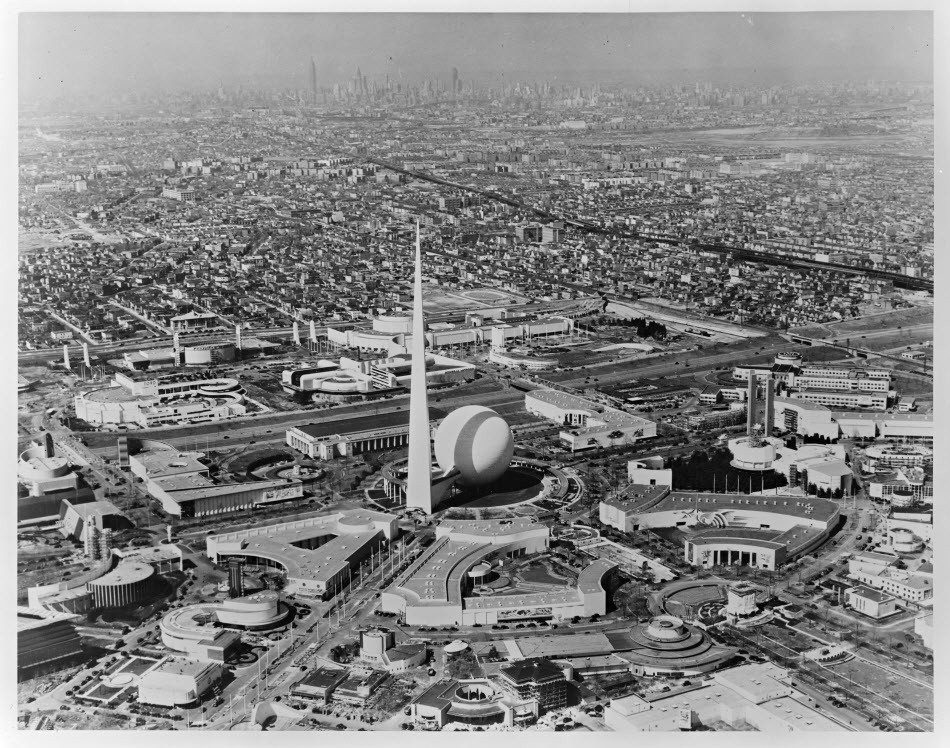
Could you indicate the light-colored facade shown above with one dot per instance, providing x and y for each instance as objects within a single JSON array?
[
  {"x": 169, "y": 401},
  {"x": 871, "y": 603},
  {"x": 318, "y": 555},
  {"x": 924, "y": 628},
  {"x": 912, "y": 588},
  {"x": 130, "y": 582},
  {"x": 181, "y": 482},
  {"x": 433, "y": 589},
  {"x": 727, "y": 529},
  {"x": 44, "y": 474},
  {"x": 588, "y": 424},
  {"x": 760, "y": 695},
  {"x": 178, "y": 683}
]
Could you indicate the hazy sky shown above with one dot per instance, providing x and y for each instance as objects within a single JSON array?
[{"x": 111, "y": 52}]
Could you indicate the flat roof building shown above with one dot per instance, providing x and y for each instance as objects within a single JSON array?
[
  {"x": 588, "y": 424},
  {"x": 317, "y": 555}
]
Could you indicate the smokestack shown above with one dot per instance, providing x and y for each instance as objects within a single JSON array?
[
  {"x": 168, "y": 533},
  {"x": 237, "y": 337},
  {"x": 85, "y": 355},
  {"x": 66, "y": 356},
  {"x": 176, "y": 341},
  {"x": 296, "y": 332},
  {"x": 48, "y": 448}
]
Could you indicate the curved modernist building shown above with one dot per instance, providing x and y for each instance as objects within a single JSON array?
[
  {"x": 903, "y": 540},
  {"x": 316, "y": 554},
  {"x": 515, "y": 359},
  {"x": 474, "y": 702},
  {"x": 161, "y": 402},
  {"x": 753, "y": 453},
  {"x": 667, "y": 645},
  {"x": 886, "y": 455},
  {"x": 256, "y": 611},
  {"x": 761, "y": 531},
  {"x": 128, "y": 583},
  {"x": 45, "y": 473},
  {"x": 201, "y": 631},
  {"x": 432, "y": 590}
]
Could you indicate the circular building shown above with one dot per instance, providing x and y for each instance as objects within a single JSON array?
[
  {"x": 753, "y": 453},
  {"x": 257, "y": 611},
  {"x": 129, "y": 582},
  {"x": 790, "y": 358},
  {"x": 43, "y": 473},
  {"x": 477, "y": 442},
  {"x": 904, "y": 541},
  {"x": 668, "y": 645}
]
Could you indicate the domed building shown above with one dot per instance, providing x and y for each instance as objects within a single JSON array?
[
  {"x": 473, "y": 466},
  {"x": 667, "y": 645},
  {"x": 476, "y": 442}
]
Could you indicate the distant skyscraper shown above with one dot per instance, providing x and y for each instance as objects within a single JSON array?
[
  {"x": 455, "y": 81},
  {"x": 313, "y": 81},
  {"x": 419, "y": 480}
]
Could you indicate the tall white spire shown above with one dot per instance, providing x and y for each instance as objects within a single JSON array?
[{"x": 419, "y": 481}]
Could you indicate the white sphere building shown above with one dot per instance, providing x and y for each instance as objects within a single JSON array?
[{"x": 477, "y": 442}]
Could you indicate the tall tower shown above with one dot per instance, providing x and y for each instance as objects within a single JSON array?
[
  {"x": 235, "y": 577},
  {"x": 313, "y": 81},
  {"x": 85, "y": 355},
  {"x": 760, "y": 400},
  {"x": 455, "y": 82},
  {"x": 238, "y": 342},
  {"x": 419, "y": 481},
  {"x": 296, "y": 332},
  {"x": 66, "y": 356}
]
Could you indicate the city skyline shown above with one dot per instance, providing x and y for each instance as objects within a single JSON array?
[
  {"x": 477, "y": 373},
  {"x": 204, "y": 50}
]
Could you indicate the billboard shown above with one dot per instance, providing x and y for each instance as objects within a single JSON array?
[{"x": 523, "y": 614}]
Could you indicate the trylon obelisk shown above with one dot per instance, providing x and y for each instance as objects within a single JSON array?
[{"x": 419, "y": 480}]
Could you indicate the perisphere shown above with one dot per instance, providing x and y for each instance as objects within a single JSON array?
[{"x": 477, "y": 442}]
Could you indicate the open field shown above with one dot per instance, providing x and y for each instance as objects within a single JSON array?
[
  {"x": 889, "y": 320},
  {"x": 897, "y": 339}
]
